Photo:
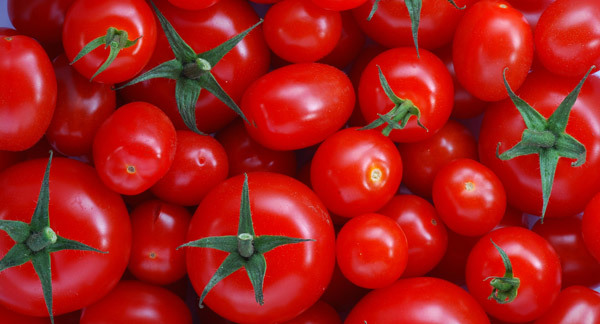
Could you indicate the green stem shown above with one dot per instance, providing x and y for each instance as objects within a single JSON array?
[
  {"x": 40, "y": 240},
  {"x": 245, "y": 245}
]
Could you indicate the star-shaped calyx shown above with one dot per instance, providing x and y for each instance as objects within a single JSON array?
[
  {"x": 36, "y": 241},
  {"x": 246, "y": 249},
  {"x": 505, "y": 288},
  {"x": 192, "y": 72},
  {"x": 546, "y": 137}
]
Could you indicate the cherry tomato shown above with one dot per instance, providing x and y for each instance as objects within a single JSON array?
[
  {"x": 338, "y": 5},
  {"x": 193, "y": 4},
  {"x": 319, "y": 313},
  {"x": 590, "y": 226},
  {"x": 348, "y": 46},
  {"x": 575, "y": 304},
  {"x": 531, "y": 9},
  {"x": 10, "y": 317}
]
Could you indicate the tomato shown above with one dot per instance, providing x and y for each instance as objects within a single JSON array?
[
  {"x": 502, "y": 123},
  {"x": 420, "y": 300},
  {"x": 203, "y": 30},
  {"x": 137, "y": 302},
  {"x": 371, "y": 250},
  {"x": 534, "y": 263},
  {"x": 82, "y": 209},
  {"x": 590, "y": 226},
  {"x": 134, "y": 148},
  {"x": 81, "y": 107},
  {"x": 578, "y": 266},
  {"x": 348, "y": 46},
  {"x": 10, "y": 317},
  {"x": 356, "y": 172},
  {"x": 422, "y": 82},
  {"x": 299, "y": 31},
  {"x": 575, "y": 304},
  {"x": 531, "y": 9},
  {"x": 319, "y": 313},
  {"x": 158, "y": 229},
  {"x": 338, "y": 5},
  {"x": 423, "y": 159},
  {"x": 194, "y": 4},
  {"x": 426, "y": 235},
  {"x": 87, "y": 20},
  {"x": 492, "y": 36},
  {"x": 469, "y": 197},
  {"x": 280, "y": 205},
  {"x": 200, "y": 163},
  {"x": 28, "y": 92},
  {"x": 297, "y": 106},
  {"x": 8, "y": 158}
]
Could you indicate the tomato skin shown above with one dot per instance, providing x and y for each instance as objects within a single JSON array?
[
  {"x": 82, "y": 209},
  {"x": 341, "y": 293},
  {"x": 193, "y": 4},
  {"x": 425, "y": 81},
  {"x": 158, "y": 229},
  {"x": 28, "y": 92},
  {"x": 280, "y": 205},
  {"x": 297, "y": 106},
  {"x": 338, "y": 5},
  {"x": 81, "y": 107},
  {"x": 534, "y": 262},
  {"x": 502, "y": 123},
  {"x": 356, "y": 172},
  {"x": 469, "y": 197},
  {"x": 567, "y": 37},
  {"x": 136, "y": 302},
  {"x": 10, "y": 317},
  {"x": 575, "y": 304},
  {"x": 199, "y": 164},
  {"x": 137, "y": 135},
  {"x": 492, "y": 36},
  {"x": 531, "y": 9},
  {"x": 319, "y": 313},
  {"x": 590, "y": 226},
  {"x": 349, "y": 45},
  {"x": 420, "y": 300}
]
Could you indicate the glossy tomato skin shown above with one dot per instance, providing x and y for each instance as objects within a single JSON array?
[
  {"x": 492, "y": 36},
  {"x": 348, "y": 46},
  {"x": 575, "y": 304},
  {"x": 158, "y": 229},
  {"x": 469, "y": 197},
  {"x": 87, "y": 20},
  {"x": 426, "y": 235},
  {"x": 338, "y": 5},
  {"x": 10, "y": 317},
  {"x": 297, "y": 106},
  {"x": 502, "y": 123},
  {"x": 299, "y": 31},
  {"x": 280, "y": 205},
  {"x": 199, "y": 164},
  {"x": 81, "y": 107},
  {"x": 319, "y": 313},
  {"x": 356, "y": 172},
  {"x": 193, "y": 4},
  {"x": 136, "y": 302},
  {"x": 28, "y": 92},
  {"x": 534, "y": 262},
  {"x": 203, "y": 30},
  {"x": 134, "y": 148},
  {"x": 423, "y": 159},
  {"x": 82, "y": 209},
  {"x": 425, "y": 81},
  {"x": 567, "y": 37},
  {"x": 419, "y": 300},
  {"x": 590, "y": 226}
]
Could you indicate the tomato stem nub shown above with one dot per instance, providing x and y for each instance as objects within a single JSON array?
[
  {"x": 505, "y": 288},
  {"x": 246, "y": 245},
  {"x": 40, "y": 240}
]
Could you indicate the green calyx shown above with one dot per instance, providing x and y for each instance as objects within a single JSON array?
[
  {"x": 505, "y": 288},
  {"x": 35, "y": 241},
  {"x": 192, "y": 72},
  {"x": 546, "y": 137},
  {"x": 414, "y": 12},
  {"x": 397, "y": 117},
  {"x": 115, "y": 39},
  {"x": 246, "y": 249}
]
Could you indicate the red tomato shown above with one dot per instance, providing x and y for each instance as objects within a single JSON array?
[
  {"x": 10, "y": 317},
  {"x": 8, "y": 158},
  {"x": 193, "y": 4},
  {"x": 158, "y": 229},
  {"x": 338, "y": 5},
  {"x": 134, "y": 148},
  {"x": 469, "y": 197},
  {"x": 590, "y": 226},
  {"x": 348, "y": 46},
  {"x": 492, "y": 36},
  {"x": 297, "y": 106},
  {"x": 567, "y": 37},
  {"x": 424, "y": 81},
  {"x": 81, "y": 209},
  {"x": 420, "y": 300},
  {"x": 356, "y": 172},
  {"x": 81, "y": 107},
  {"x": 28, "y": 92},
  {"x": 531, "y": 9},
  {"x": 575, "y": 304},
  {"x": 371, "y": 250},
  {"x": 319, "y": 313},
  {"x": 280, "y": 205},
  {"x": 137, "y": 302},
  {"x": 200, "y": 163},
  {"x": 426, "y": 235},
  {"x": 534, "y": 262}
]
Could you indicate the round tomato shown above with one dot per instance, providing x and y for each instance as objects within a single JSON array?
[
  {"x": 348, "y": 46},
  {"x": 575, "y": 304},
  {"x": 319, "y": 313},
  {"x": 193, "y": 4},
  {"x": 590, "y": 226},
  {"x": 338, "y": 5}
]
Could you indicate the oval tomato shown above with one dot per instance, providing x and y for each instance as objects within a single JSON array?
[{"x": 575, "y": 304}]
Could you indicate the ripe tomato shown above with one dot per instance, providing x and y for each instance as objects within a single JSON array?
[
  {"x": 356, "y": 172},
  {"x": 590, "y": 226},
  {"x": 319, "y": 313},
  {"x": 134, "y": 148},
  {"x": 82, "y": 209},
  {"x": 280, "y": 205},
  {"x": 27, "y": 92},
  {"x": 575, "y": 304},
  {"x": 297, "y": 106},
  {"x": 338, "y": 5},
  {"x": 531, "y": 9},
  {"x": 193, "y": 4},
  {"x": 348, "y": 46}
]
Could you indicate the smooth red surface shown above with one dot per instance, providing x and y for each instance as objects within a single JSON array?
[
  {"x": 319, "y": 313},
  {"x": 349, "y": 45},
  {"x": 575, "y": 304},
  {"x": 590, "y": 226}
]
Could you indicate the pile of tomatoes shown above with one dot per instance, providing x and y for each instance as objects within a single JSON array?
[{"x": 300, "y": 161}]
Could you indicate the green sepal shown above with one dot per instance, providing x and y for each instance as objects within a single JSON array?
[
  {"x": 456, "y": 6},
  {"x": 168, "y": 70},
  {"x": 182, "y": 51},
  {"x": 245, "y": 224},
  {"x": 213, "y": 56},
  {"x": 40, "y": 218},
  {"x": 66, "y": 244},
  {"x": 17, "y": 230},
  {"x": 256, "y": 268},
  {"x": 232, "y": 263},
  {"x": 532, "y": 118},
  {"x": 17, "y": 255},
  {"x": 557, "y": 122},
  {"x": 209, "y": 83},
  {"x": 187, "y": 92},
  {"x": 373, "y": 9},
  {"x": 505, "y": 288},
  {"x": 227, "y": 243},
  {"x": 42, "y": 266},
  {"x": 414, "y": 11},
  {"x": 266, "y": 243}
]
